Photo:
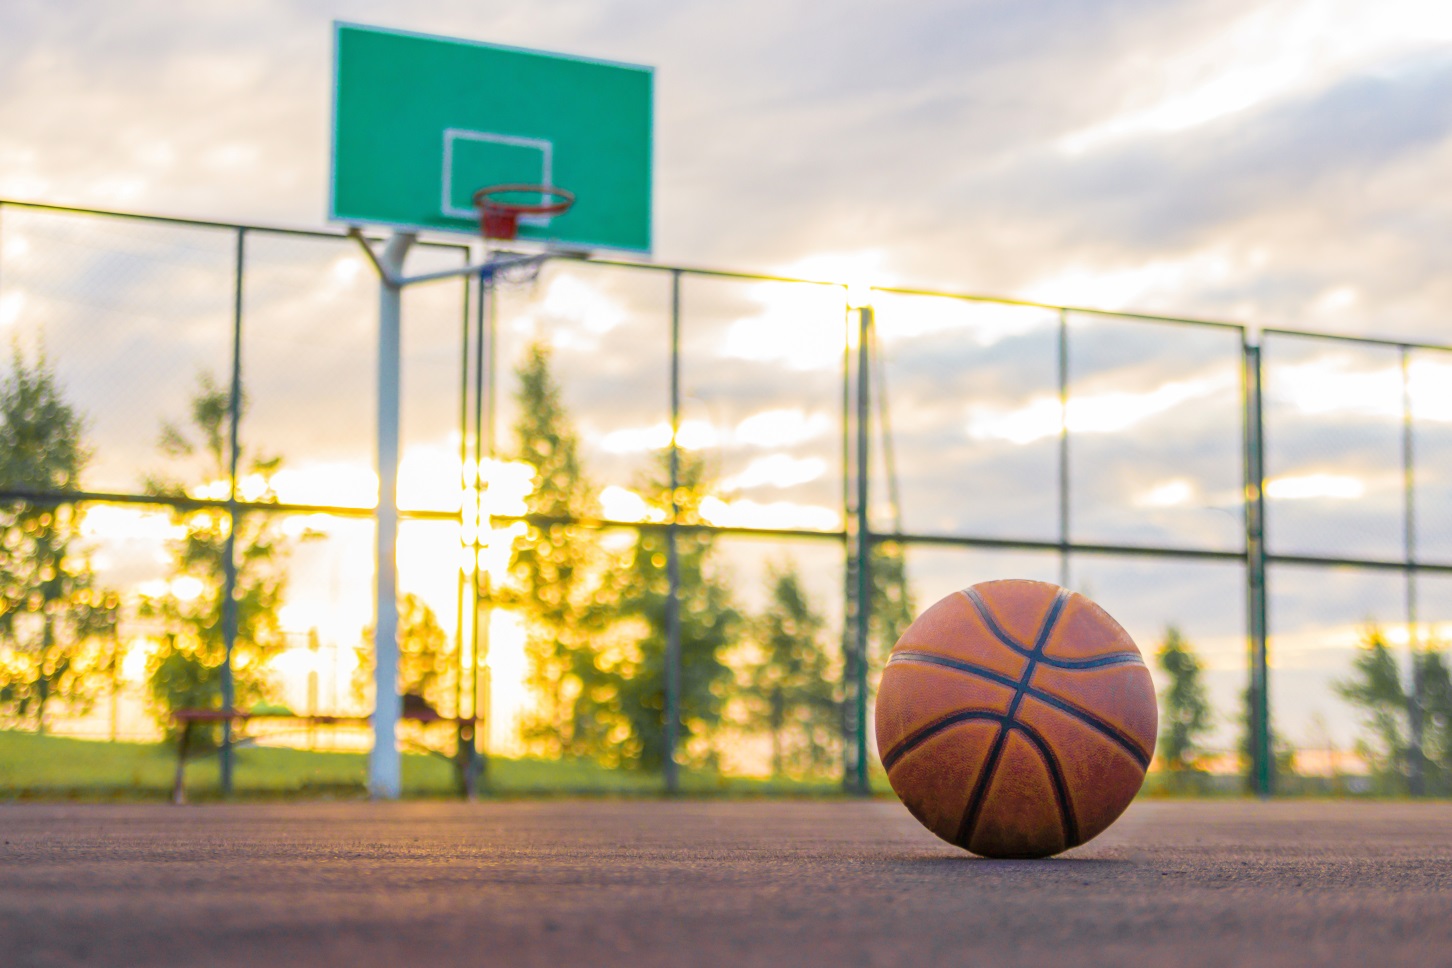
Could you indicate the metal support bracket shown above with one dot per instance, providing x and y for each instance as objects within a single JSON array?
[{"x": 492, "y": 266}]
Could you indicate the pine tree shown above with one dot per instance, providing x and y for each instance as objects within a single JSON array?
[
  {"x": 1283, "y": 753},
  {"x": 186, "y": 670},
  {"x": 1183, "y": 704},
  {"x": 1375, "y": 687},
  {"x": 556, "y": 570},
  {"x": 708, "y": 623},
  {"x": 789, "y": 686},
  {"x": 57, "y": 627},
  {"x": 1437, "y": 719}
]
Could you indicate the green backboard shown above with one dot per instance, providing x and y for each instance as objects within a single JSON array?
[{"x": 420, "y": 123}]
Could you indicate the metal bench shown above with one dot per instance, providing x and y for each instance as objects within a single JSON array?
[{"x": 418, "y": 712}]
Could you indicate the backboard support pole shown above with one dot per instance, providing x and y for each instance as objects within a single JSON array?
[{"x": 384, "y": 763}]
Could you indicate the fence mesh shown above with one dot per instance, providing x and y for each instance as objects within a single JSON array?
[{"x": 1105, "y": 451}]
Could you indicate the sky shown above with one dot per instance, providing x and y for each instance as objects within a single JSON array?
[
  {"x": 1277, "y": 164},
  {"x": 1280, "y": 163}
]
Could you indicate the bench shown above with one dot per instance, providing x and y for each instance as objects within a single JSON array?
[{"x": 417, "y": 712}]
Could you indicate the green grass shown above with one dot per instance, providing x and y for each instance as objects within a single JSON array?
[{"x": 53, "y": 767}]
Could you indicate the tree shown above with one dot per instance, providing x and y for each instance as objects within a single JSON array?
[
  {"x": 708, "y": 624},
  {"x": 186, "y": 670},
  {"x": 556, "y": 572},
  {"x": 893, "y": 609},
  {"x": 425, "y": 659},
  {"x": 1375, "y": 687},
  {"x": 789, "y": 686},
  {"x": 1436, "y": 701},
  {"x": 55, "y": 621},
  {"x": 1283, "y": 753},
  {"x": 1185, "y": 708}
]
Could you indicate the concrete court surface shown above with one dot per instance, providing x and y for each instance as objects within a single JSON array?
[{"x": 644, "y": 883}]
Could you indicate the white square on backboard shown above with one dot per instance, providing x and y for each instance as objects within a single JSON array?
[{"x": 453, "y": 135}]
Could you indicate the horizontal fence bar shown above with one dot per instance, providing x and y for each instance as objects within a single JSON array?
[
  {"x": 56, "y": 498},
  {"x": 1379, "y": 564},
  {"x": 197, "y": 223},
  {"x": 711, "y": 273},
  {"x": 1368, "y": 340},
  {"x": 1072, "y": 547},
  {"x": 1085, "y": 310}
]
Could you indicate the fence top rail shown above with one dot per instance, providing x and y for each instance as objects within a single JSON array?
[
  {"x": 1056, "y": 307},
  {"x": 1366, "y": 340},
  {"x": 625, "y": 263},
  {"x": 197, "y": 223},
  {"x": 700, "y": 272}
]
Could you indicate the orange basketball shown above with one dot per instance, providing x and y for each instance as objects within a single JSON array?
[{"x": 1016, "y": 719}]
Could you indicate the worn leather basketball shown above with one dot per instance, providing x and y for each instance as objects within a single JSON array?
[{"x": 1016, "y": 719}]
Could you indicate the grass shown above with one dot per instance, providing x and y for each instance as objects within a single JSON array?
[{"x": 53, "y": 767}]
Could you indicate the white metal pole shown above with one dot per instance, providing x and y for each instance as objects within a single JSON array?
[{"x": 384, "y": 765}]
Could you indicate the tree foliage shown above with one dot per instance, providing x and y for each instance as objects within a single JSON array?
[
  {"x": 1185, "y": 710},
  {"x": 426, "y": 660},
  {"x": 893, "y": 608},
  {"x": 186, "y": 670},
  {"x": 789, "y": 686},
  {"x": 1375, "y": 688},
  {"x": 556, "y": 571},
  {"x": 709, "y": 623},
  {"x": 57, "y": 626}
]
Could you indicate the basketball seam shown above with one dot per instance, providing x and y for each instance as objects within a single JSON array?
[
  {"x": 1113, "y": 658},
  {"x": 980, "y": 789},
  {"x": 1107, "y": 730},
  {"x": 1056, "y": 778},
  {"x": 924, "y": 733}
]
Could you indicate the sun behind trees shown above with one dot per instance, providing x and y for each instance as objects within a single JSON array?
[
  {"x": 595, "y": 615},
  {"x": 709, "y": 624},
  {"x": 185, "y": 671},
  {"x": 557, "y": 573}
]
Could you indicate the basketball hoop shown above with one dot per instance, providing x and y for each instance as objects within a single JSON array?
[{"x": 499, "y": 216}]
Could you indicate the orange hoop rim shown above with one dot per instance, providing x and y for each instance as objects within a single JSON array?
[
  {"x": 500, "y": 219},
  {"x": 484, "y": 201}
]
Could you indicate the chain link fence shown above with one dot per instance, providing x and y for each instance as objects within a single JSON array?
[{"x": 774, "y": 426}]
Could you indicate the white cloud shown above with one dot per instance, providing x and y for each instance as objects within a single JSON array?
[
  {"x": 1168, "y": 494},
  {"x": 1275, "y": 50},
  {"x": 776, "y": 470},
  {"x": 621, "y": 504},
  {"x": 1341, "y": 487},
  {"x": 1333, "y": 384},
  {"x": 746, "y": 513},
  {"x": 781, "y": 428},
  {"x": 1099, "y": 413},
  {"x": 800, "y": 326}
]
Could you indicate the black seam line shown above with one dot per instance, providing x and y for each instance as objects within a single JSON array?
[
  {"x": 1105, "y": 729},
  {"x": 1056, "y": 777},
  {"x": 925, "y": 733},
  {"x": 1108, "y": 731},
  {"x": 980, "y": 789},
  {"x": 982, "y": 608},
  {"x": 929, "y": 658},
  {"x": 1098, "y": 662},
  {"x": 917, "y": 655},
  {"x": 1114, "y": 658}
]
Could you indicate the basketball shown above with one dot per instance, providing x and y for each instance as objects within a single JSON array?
[{"x": 1016, "y": 719}]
